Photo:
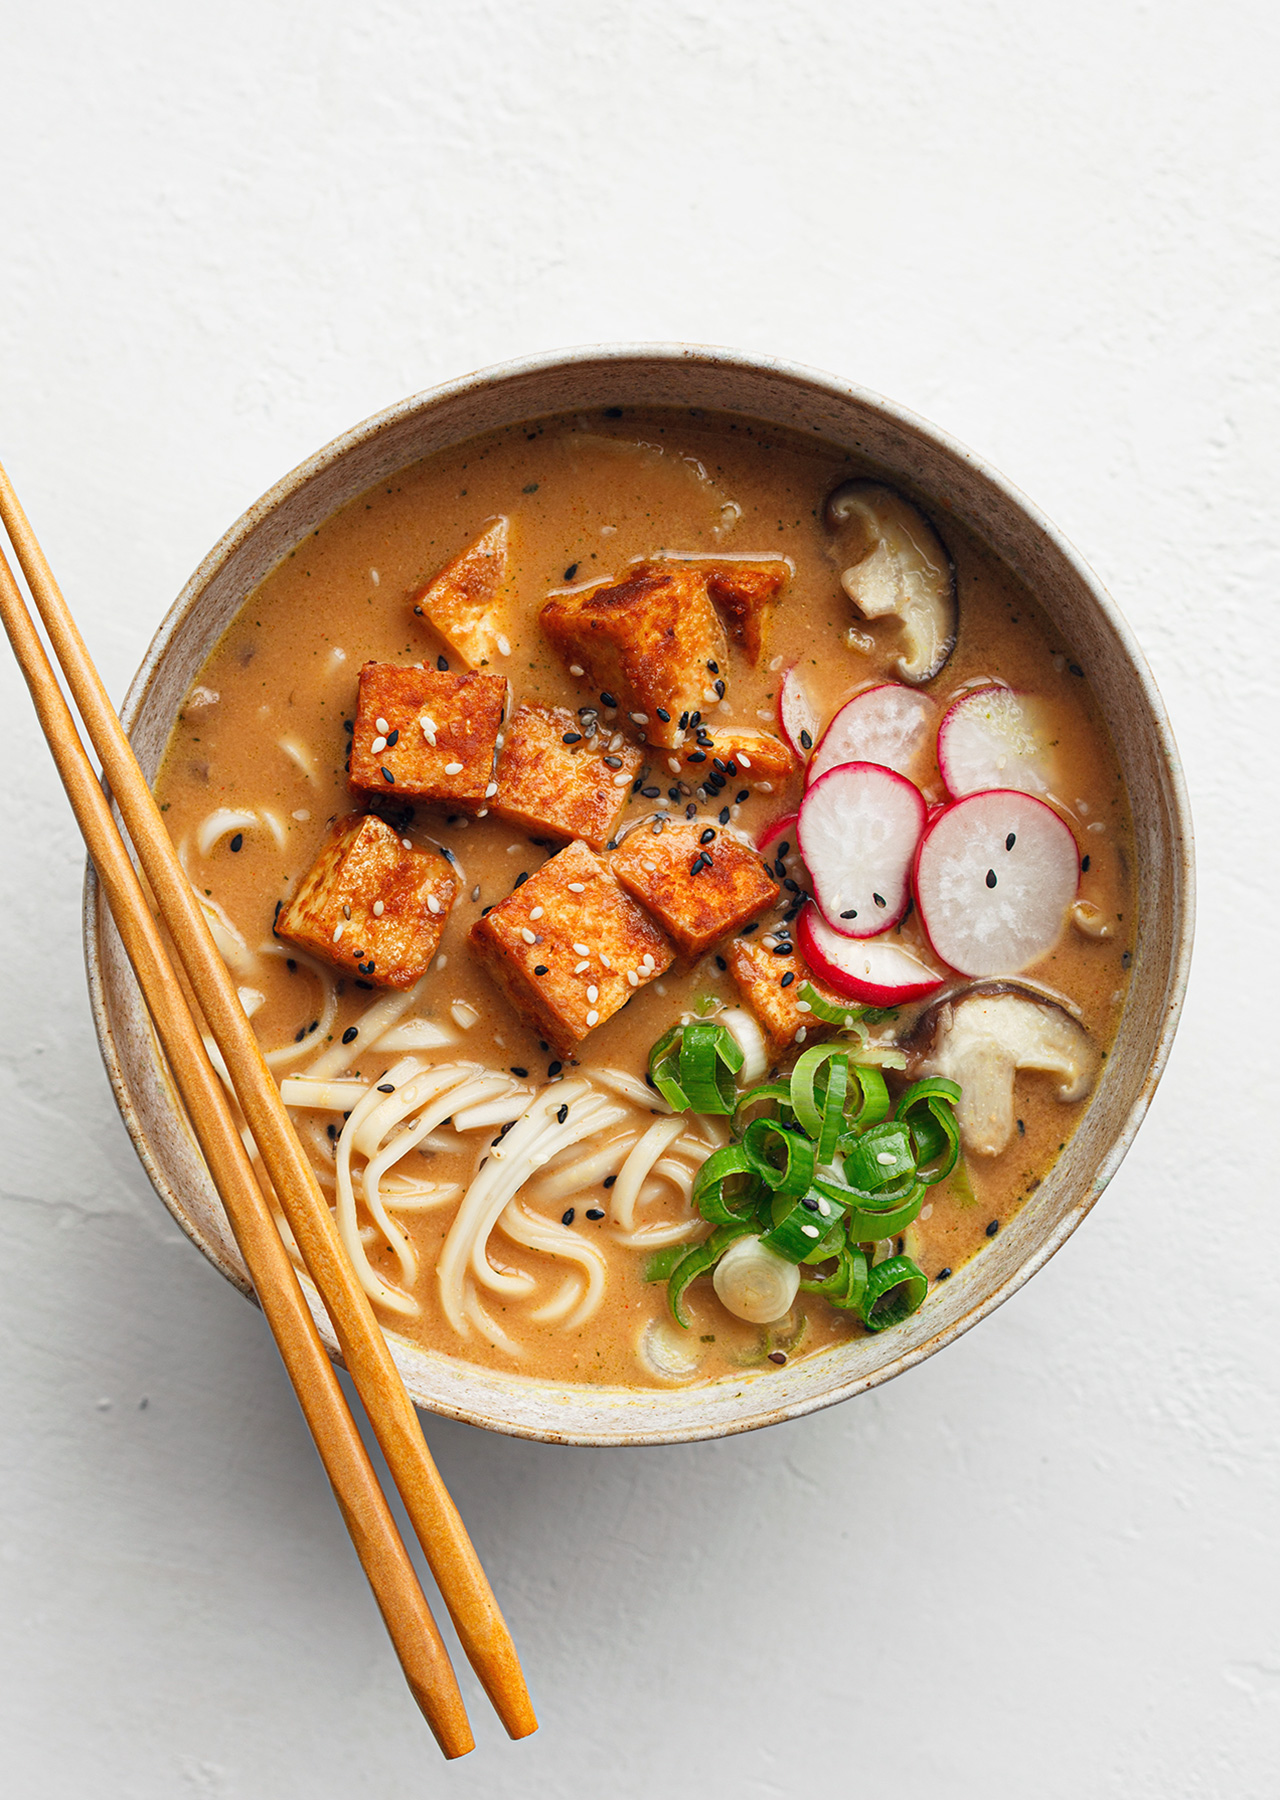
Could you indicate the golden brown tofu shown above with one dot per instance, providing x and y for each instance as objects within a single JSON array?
[
  {"x": 553, "y": 778},
  {"x": 569, "y": 947},
  {"x": 753, "y": 755},
  {"x": 422, "y": 734},
  {"x": 746, "y": 593},
  {"x": 700, "y": 883},
  {"x": 371, "y": 904},
  {"x": 763, "y": 982},
  {"x": 654, "y": 641},
  {"x": 461, "y": 602}
]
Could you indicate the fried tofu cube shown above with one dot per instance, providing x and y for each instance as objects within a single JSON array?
[
  {"x": 700, "y": 883},
  {"x": 422, "y": 734},
  {"x": 771, "y": 986},
  {"x": 553, "y": 778},
  {"x": 371, "y": 904},
  {"x": 746, "y": 593},
  {"x": 568, "y": 948},
  {"x": 753, "y": 755},
  {"x": 653, "y": 640},
  {"x": 462, "y": 602}
]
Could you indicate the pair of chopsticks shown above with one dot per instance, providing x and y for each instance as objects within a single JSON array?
[{"x": 452, "y": 1558}]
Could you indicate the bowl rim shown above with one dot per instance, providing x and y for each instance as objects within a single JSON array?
[{"x": 1182, "y": 871}]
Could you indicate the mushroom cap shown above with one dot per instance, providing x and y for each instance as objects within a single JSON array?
[
  {"x": 980, "y": 1036},
  {"x": 896, "y": 565}
]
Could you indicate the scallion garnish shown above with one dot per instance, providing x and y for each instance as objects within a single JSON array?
[{"x": 693, "y": 1066}]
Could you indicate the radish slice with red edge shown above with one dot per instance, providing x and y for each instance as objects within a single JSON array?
[
  {"x": 873, "y": 970},
  {"x": 859, "y": 827},
  {"x": 785, "y": 827},
  {"x": 796, "y": 717},
  {"x": 994, "y": 738},
  {"x": 886, "y": 724},
  {"x": 994, "y": 876}
]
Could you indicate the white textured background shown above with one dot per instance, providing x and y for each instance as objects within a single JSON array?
[{"x": 1040, "y": 1566}]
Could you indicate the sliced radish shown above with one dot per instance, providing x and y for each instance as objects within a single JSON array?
[
  {"x": 888, "y": 724},
  {"x": 796, "y": 717},
  {"x": 994, "y": 738},
  {"x": 994, "y": 876},
  {"x": 859, "y": 827},
  {"x": 868, "y": 969},
  {"x": 785, "y": 827}
]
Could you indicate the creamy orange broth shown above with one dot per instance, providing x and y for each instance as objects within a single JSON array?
[{"x": 587, "y": 496}]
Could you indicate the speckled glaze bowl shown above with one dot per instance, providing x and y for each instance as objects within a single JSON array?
[{"x": 956, "y": 483}]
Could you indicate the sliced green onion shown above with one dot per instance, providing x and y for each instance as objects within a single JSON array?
[
  {"x": 727, "y": 1186},
  {"x": 664, "y": 1069},
  {"x": 866, "y": 1226},
  {"x": 895, "y": 1289},
  {"x": 693, "y": 1066},
  {"x": 805, "y": 1227},
  {"x": 882, "y": 1156},
  {"x": 846, "y": 1284},
  {"x": 874, "y": 1096},
  {"x": 698, "y": 1261},
  {"x": 843, "y": 1016},
  {"x": 833, "y": 1104},
  {"x": 928, "y": 1109},
  {"x": 807, "y": 1090},
  {"x": 660, "y": 1263},
  {"x": 769, "y": 1093},
  {"x": 761, "y": 1141}
]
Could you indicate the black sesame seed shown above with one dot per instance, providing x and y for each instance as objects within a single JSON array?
[
  {"x": 778, "y": 1356},
  {"x": 350, "y": 1035},
  {"x": 291, "y": 965},
  {"x": 784, "y": 848},
  {"x": 684, "y": 720},
  {"x": 724, "y": 815},
  {"x": 1011, "y": 840},
  {"x": 608, "y": 699},
  {"x": 393, "y": 738},
  {"x": 387, "y": 775},
  {"x": 367, "y": 968},
  {"x": 719, "y": 687},
  {"x": 673, "y": 793},
  {"x": 1084, "y": 865},
  {"x": 366, "y": 985},
  {"x": 571, "y": 737},
  {"x": 613, "y": 762},
  {"x": 541, "y": 969},
  {"x": 782, "y": 949},
  {"x": 1022, "y": 1129},
  {"x": 485, "y": 911},
  {"x": 387, "y": 1087},
  {"x": 333, "y": 1132},
  {"x": 943, "y": 1275},
  {"x": 237, "y": 842},
  {"x": 744, "y": 795},
  {"x": 714, "y": 668},
  {"x": 562, "y": 1113},
  {"x": 748, "y": 929},
  {"x": 566, "y": 1217},
  {"x": 717, "y": 762},
  {"x": 879, "y": 898},
  {"x": 299, "y": 1034},
  {"x": 991, "y": 878},
  {"x": 705, "y": 738},
  {"x": 993, "y": 1227},
  {"x": 595, "y": 1212},
  {"x": 1076, "y": 669},
  {"x": 808, "y": 1204},
  {"x": 721, "y": 964},
  {"x": 348, "y": 725},
  {"x": 792, "y": 887},
  {"x": 442, "y": 663},
  {"x": 1126, "y": 959},
  {"x": 695, "y": 719},
  {"x": 651, "y": 793},
  {"x": 612, "y": 844},
  {"x": 530, "y": 487},
  {"x": 696, "y": 756},
  {"x": 608, "y": 1181},
  {"x": 788, "y": 978},
  {"x": 522, "y": 1073},
  {"x": 851, "y": 914},
  {"x": 553, "y": 1069},
  {"x": 806, "y": 741},
  {"x": 571, "y": 571},
  {"x": 663, "y": 714},
  {"x": 520, "y": 879},
  {"x": 708, "y": 836}
]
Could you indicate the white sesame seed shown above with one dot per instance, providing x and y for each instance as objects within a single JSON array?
[
  {"x": 926, "y": 1212},
  {"x": 374, "y": 577},
  {"x": 453, "y": 768},
  {"x": 536, "y": 912},
  {"x": 576, "y": 670},
  {"x": 378, "y": 909},
  {"x": 802, "y": 1034},
  {"x": 621, "y": 778},
  {"x": 512, "y": 848},
  {"x": 527, "y": 935},
  {"x": 338, "y": 930},
  {"x": 302, "y": 815},
  {"x": 824, "y": 1207},
  {"x": 764, "y": 787},
  {"x": 483, "y": 813},
  {"x": 649, "y": 963},
  {"x": 660, "y": 987},
  {"x": 633, "y": 978},
  {"x": 593, "y": 994},
  {"x": 803, "y": 1006},
  {"x": 491, "y": 790},
  {"x": 378, "y": 745},
  {"x": 775, "y": 665},
  {"x": 441, "y": 960},
  {"x": 673, "y": 763},
  {"x": 811, "y": 1231},
  {"x": 743, "y": 762},
  {"x": 382, "y": 726},
  {"x": 581, "y": 968},
  {"x": 616, "y": 741},
  {"x": 433, "y": 905},
  {"x": 406, "y": 843},
  {"x": 577, "y": 887},
  {"x": 768, "y": 942},
  {"x": 651, "y": 866},
  {"x": 639, "y": 718},
  {"x": 593, "y": 1017},
  {"x": 504, "y": 645},
  {"x": 884, "y": 1156},
  {"x": 582, "y": 949},
  {"x": 604, "y": 959}
]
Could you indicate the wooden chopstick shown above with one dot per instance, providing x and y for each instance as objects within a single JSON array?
[
  {"x": 413, "y": 1631},
  {"x": 450, "y": 1553}
]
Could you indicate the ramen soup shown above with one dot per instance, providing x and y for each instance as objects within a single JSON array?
[{"x": 680, "y": 880}]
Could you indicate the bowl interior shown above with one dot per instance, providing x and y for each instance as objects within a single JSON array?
[{"x": 954, "y": 482}]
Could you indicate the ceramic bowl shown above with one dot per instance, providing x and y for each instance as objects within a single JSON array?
[{"x": 957, "y": 483}]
